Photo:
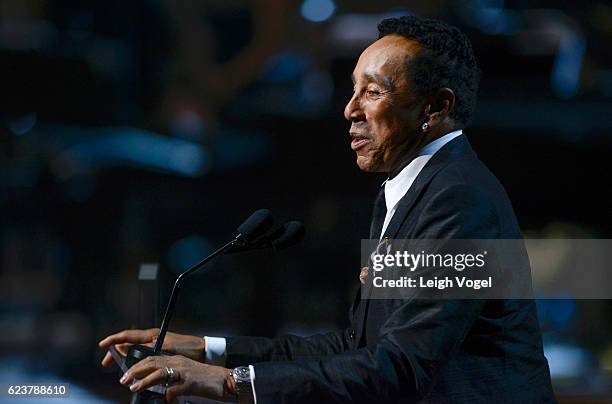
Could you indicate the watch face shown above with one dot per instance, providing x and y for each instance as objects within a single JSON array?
[{"x": 242, "y": 373}]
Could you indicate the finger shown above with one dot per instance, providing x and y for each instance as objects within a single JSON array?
[
  {"x": 108, "y": 360},
  {"x": 132, "y": 336},
  {"x": 143, "y": 368},
  {"x": 174, "y": 391},
  {"x": 158, "y": 376},
  {"x": 121, "y": 349}
]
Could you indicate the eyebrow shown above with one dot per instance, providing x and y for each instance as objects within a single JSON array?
[{"x": 377, "y": 79}]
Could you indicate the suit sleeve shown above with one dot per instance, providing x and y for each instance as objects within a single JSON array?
[
  {"x": 242, "y": 351},
  {"x": 416, "y": 339}
]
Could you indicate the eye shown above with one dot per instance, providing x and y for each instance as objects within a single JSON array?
[{"x": 373, "y": 93}]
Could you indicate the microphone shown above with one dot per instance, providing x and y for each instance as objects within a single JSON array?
[
  {"x": 257, "y": 224},
  {"x": 283, "y": 237},
  {"x": 293, "y": 233}
]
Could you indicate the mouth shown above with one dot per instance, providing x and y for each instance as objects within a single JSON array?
[{"x": 358, "y": 141}]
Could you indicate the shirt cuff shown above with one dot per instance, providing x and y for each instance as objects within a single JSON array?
[
  {"x": 215, "y": 351},
  {"x": 252, "y": 373}
]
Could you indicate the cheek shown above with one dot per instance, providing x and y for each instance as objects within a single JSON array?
[
  {"x": 393, "y": 124},
  {"x": 386, "y": 133},
  {"x": 384, "y": 119}
]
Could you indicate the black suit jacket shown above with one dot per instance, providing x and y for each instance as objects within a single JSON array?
[{"x": 418, "y": 350}]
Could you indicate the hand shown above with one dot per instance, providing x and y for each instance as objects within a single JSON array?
[
  {"x": 186, "y": 345},
  {"x": 194, "y": 378}
]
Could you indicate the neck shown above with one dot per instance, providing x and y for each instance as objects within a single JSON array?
[
  {"x": 411, "y": 152},
  {"x": 408, "y": 155}
]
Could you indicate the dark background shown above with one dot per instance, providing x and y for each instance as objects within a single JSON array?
[{"x": 139, "y": 132}]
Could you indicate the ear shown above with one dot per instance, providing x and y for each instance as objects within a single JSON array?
[{"x": 438, "y": 107}]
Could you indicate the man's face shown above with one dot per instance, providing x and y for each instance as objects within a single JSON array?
[{"x": 385, "y": 117}]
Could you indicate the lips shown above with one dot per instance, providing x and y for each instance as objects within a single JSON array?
[{"x": 358, "y": 141}]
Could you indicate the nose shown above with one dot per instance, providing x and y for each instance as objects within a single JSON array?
[{"x": 353, "y": 111}]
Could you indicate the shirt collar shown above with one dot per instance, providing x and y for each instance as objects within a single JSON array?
[
  {"x": 431, "y": 148},
  {"x": 397, "y": 187}
]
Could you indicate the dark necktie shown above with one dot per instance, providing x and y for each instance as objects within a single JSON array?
[{"x": 378, "y": 216}]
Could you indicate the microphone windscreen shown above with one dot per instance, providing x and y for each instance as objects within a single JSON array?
[
  {"x": 293, "y": 234},
  {"x": 257, "y": 224}
]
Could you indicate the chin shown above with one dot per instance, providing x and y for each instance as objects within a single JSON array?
[{"x": 367, "y": 165}]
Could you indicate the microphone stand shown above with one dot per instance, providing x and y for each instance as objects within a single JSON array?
[{"x": 239, "y": 241}]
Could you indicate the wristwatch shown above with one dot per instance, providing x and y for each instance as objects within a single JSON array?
[{"x": 244, "y": 388}]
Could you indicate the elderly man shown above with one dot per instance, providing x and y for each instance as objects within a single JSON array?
[{"x": 414, "y": 91}]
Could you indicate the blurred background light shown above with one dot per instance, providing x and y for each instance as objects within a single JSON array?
[
  {"x": 317, "y": 10},
  {"x": 138, "y": 148},
  {"x": 493, "y": 19},
  {"x": 565, "y": 77},
  {"x": 566, "y": 361}
]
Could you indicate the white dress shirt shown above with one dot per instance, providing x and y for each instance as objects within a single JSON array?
[{"x": 395, "y": 189}]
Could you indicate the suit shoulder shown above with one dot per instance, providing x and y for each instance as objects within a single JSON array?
[
  {"x": 468, "y": 184},
  {"x": 470, "y": 171}
]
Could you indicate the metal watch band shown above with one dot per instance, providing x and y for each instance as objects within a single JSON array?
[{"x": 244, "y": 388}]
